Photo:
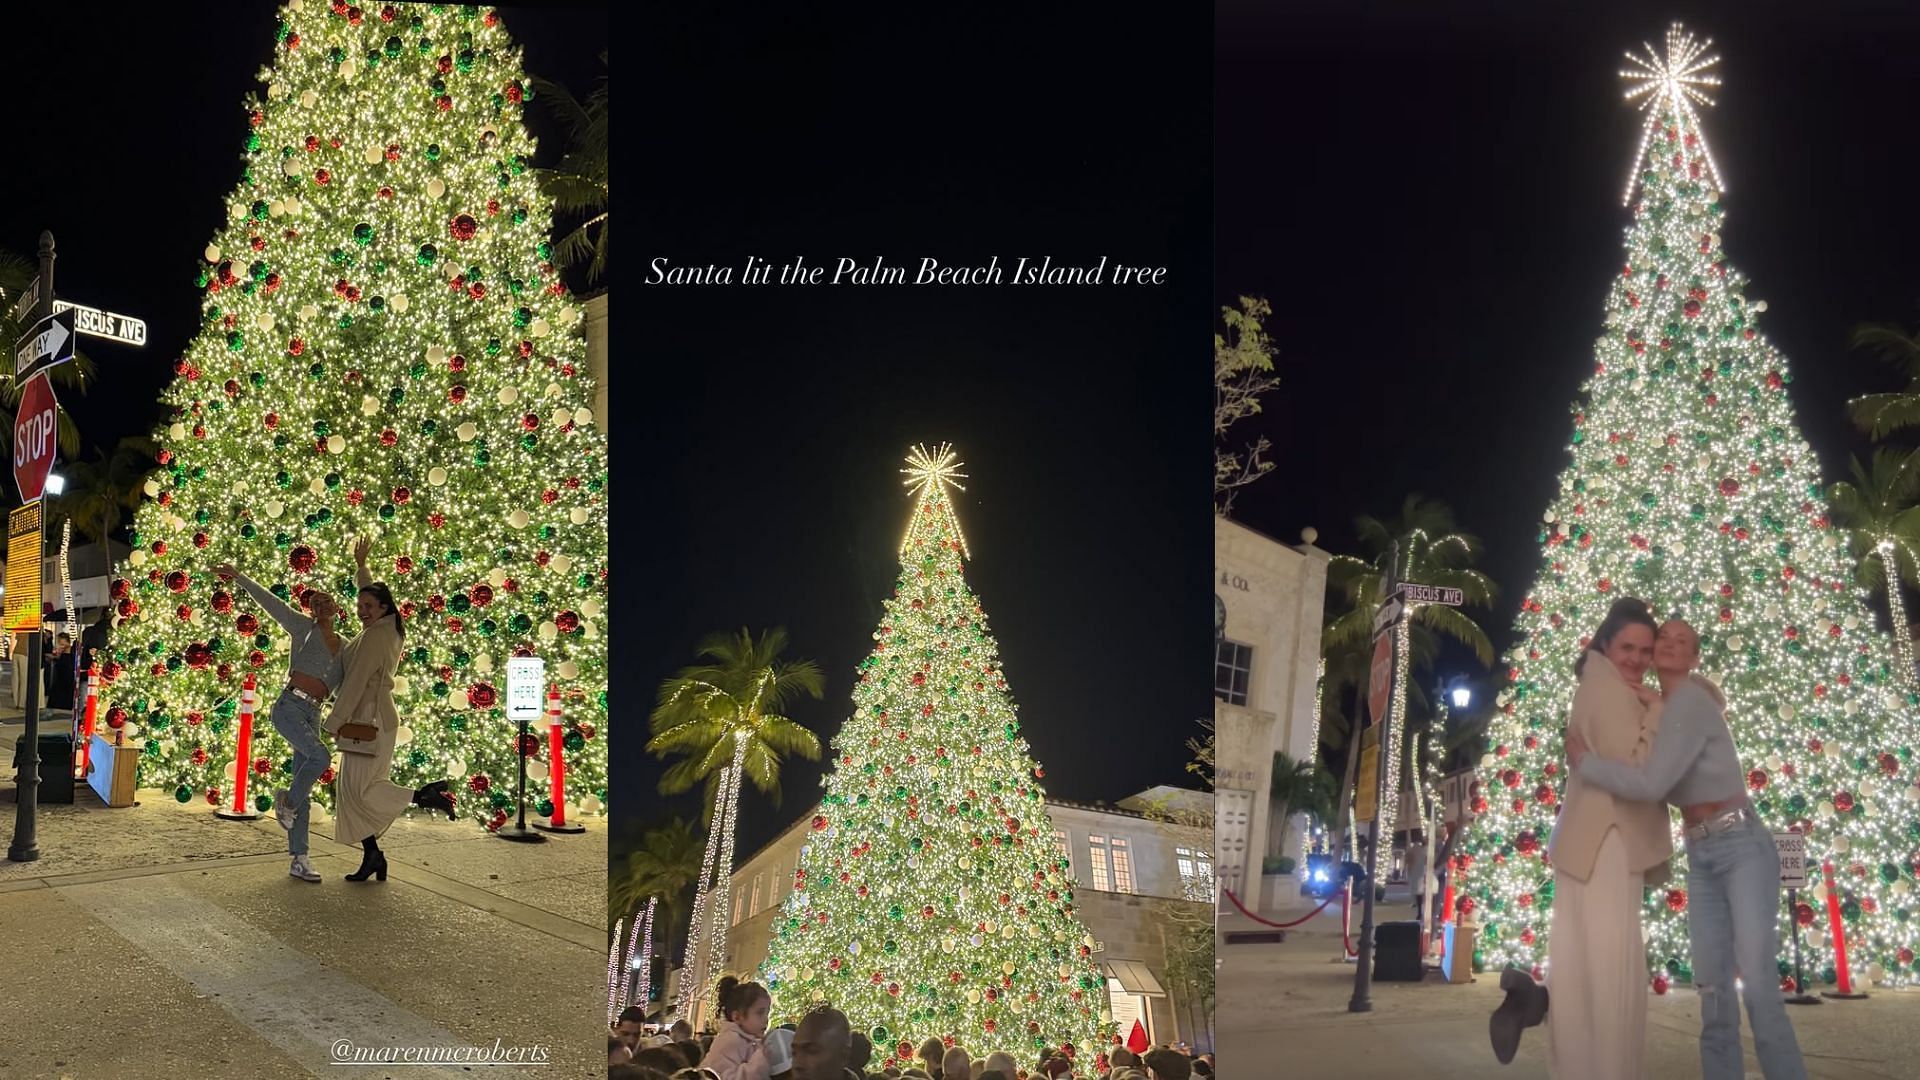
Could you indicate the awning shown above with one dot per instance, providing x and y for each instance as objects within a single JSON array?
[{"x": 1133, "y": 976}]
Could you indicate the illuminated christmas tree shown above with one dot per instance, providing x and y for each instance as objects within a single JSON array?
[
  {"x": 385, "y": 350},
  {"x": 931, "y": 898},
  {"x": 1691, "y": 487}
]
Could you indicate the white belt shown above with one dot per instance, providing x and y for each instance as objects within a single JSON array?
[
  {"x": 301, "y": 694},
  {"x": 1721, "y": 822}
]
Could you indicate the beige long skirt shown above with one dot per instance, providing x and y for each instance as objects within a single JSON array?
[
  {"x": 1597, "y": 972},
  {"x": 366, "y": 800}
]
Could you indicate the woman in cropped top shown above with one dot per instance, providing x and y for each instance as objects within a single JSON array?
[
  {"x": 312, "y": 675},
  {"x": 1732, "y": 864}
]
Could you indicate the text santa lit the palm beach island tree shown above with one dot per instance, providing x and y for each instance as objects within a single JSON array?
[{"x": 878, "y": 271}]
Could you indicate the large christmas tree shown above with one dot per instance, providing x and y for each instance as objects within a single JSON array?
[
  {"x": 385, "y": 350},
  {"x": 1692, "y": 488},
  {"x": 931, "y": 898}
]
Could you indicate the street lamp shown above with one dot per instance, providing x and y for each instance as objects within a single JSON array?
[
  {"x": 56, "y": 483},
  {"x": 1461, "y": 696}
]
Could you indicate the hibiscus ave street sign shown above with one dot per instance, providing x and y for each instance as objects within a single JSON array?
[{"x": 34, "y": 427}]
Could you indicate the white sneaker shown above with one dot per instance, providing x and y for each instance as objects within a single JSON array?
[
  {"x": 301, "y": 870},
  {"x": 281, "y": 811}
]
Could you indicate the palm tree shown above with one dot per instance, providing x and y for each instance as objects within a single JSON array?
[
  {"x": 666, "y": 865},
  {"x": 726, "y": 720},
  {"x": 578, "y": 182},
  {"x": 1879, "y": 414},
  {"x": 1879, "y": 511},
  {"x": 1298, "y": 787}
]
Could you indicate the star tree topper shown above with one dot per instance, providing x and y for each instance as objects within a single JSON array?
[
  {"x": 929, "y": 474},
  {"x": 1673, "y": 81}
]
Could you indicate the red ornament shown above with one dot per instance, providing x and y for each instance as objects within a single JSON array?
[
  {"x": 819, "y": 822},
  {"x": 463, "y": 226},
  {"x": 481, "y": 595},
  {"x": 1660, "y": 984},
  {"x": 1757, "y": 779},
  {"x": 1676, "y": 900},
  {"x": 246, "y": 623},
  {"x": 303, "y": 558},
  {"x": 1729, "y": 487},
  {"x": 480, "y": 696},
  {"x": 567, "y": 621},
  {"x": 177, "y": 581}
]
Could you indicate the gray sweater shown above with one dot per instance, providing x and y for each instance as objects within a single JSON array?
[{"x": 1692, "y": 761}]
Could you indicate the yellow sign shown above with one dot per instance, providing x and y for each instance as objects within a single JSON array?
[
  {"x": 1367, "y": 790},
  {"x": 22, "y": 607}
]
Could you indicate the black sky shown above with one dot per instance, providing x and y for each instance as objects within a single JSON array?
[
  {"x": 128, "y": 138},
  {"x": 1433, "y": 206},
  {"x": 772, "y": 422}
]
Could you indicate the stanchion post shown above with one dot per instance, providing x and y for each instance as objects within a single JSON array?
[
  {"x": 557, "y": 770},
  {"x": 243, "y": 756},
  {"x": 1842, "y": 976},
  {"x": 81, "y": 759}
]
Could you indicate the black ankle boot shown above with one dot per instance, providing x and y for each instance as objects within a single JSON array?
[
  {"x": 435, "y": 797},
  {"x": 1524, "y": 1007},
  {"x": 373, "y": 862}
]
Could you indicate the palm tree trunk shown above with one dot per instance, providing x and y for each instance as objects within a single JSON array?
[
  {"x": 723, "y": 872},
  {"x": 690, "y": 963},
  {"x": 1897, "y": 610}
]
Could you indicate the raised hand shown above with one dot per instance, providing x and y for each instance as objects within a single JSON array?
[{"x": 361, "y": 549}]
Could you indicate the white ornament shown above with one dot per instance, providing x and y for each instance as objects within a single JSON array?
[
  {"x": 138, "y": 557},
  {"x": 373, "y": 154},
  {"x": 541, "y": 328},
  {"x": 212, "y": 253},
  {"x": 518, "y": 519},
  {"x": 589, "y": 804},
  {"x": 591, "y": 630},
  {"x": 276, "y": 208},
  {"x": 483, "y": 663},
  {"x": 497, "y": 577},
  {"x": 583, "y": 417},
  {"x": 1786, "y": 712},
  {"x": 577, "y": 515},
  {"x": 307, "y": 101},
  {"x": 399, "y": 303},
  {"x": 508, "y": 395},
  {"x": 263, "y": 321},
  {"x": 1760, "y": 305},
  {"x": 335, "y": 444},
  {"x": 274, "y": 508},
  {"x": 436, "y": 188},
  {"x": 568, "y": 669},
  {"x": 560, "y": 563},
  {"x": 309, "y": 312},
  {"x": 590, "y": 607},
  {"x": 152, "y": 488},
  {"x": 549, "y": 631},
  {"x": 1853, "y": 622},
  {"x": 369, "y": 405},
  {"x": 456, "y": 769},
  {"x": 276, "y": 91},
  {"x": 436, "y": 354},
  {"x": 1842, "y": 845},
  {"x": 318, "y": 486},
  {"x": 348, "y": 69},
  {"x": 552, "y": 390},
  {"x": 405, "y": 734},
  {"x": 437, "y": 476},
  {"x": 177, "y": 432},
  {"x": 1825, "y": 809},
  {"x": 561, "y": 417},
  {"x": 401, "y": 686},
  {"x": 465, "y": 432}
]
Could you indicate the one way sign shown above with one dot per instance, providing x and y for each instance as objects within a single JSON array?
[{"x": 50, "y": 342}]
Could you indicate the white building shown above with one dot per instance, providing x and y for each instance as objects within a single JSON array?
[
  {"x": 1268, "y": 602},
  {"x": 1134, "y": 864}
]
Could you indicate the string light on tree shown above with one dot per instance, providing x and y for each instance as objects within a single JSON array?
[
  {"x": 930, "y": 898},
  {"x": 385, "y": 350},
  {"x": 1691, "y": 486}
]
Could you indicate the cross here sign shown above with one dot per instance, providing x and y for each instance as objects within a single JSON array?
[{"x": 1793, "y": 859}]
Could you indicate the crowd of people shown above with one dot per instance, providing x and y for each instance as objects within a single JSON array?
[{"x": 824, "y": 1046}]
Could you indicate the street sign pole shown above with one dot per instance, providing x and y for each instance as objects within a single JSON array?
[
  {"x": 1362, "y": 1000},
  {"x": 526, "y": 678},
  {"x": 26, "y": 846}
]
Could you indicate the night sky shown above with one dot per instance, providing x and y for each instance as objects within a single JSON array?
[
  {"x": 772, "y": 422},
  {"x": 1433, "y": 206},
  {"x": 128, "y": 136}
]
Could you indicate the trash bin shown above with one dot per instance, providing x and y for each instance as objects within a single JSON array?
[{"x": 56, "y": 765}]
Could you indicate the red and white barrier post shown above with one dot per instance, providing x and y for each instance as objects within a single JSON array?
[
  {"x": 1842, "y": 976},
  {"x": 556, "y": 746},
  {"x": 243, "y": 756},
  {"x": 86, "y": 723}
]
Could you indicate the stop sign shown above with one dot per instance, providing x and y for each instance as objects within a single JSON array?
[{"x": 33, "y": 437}]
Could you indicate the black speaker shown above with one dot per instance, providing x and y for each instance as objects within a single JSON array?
[
  {"x": 56, "y": 765},
  {"x": 1396, "y": 952}
]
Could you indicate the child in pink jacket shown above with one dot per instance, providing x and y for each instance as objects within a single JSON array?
[{"x": 739, "y": 1051}]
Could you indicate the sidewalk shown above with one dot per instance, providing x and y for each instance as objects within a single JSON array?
[
  {"x": 1287, "y": 1003},
  {"x": 159, "y": 940}
]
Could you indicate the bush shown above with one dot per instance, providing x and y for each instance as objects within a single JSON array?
[{"x": 1277, "y": 864}]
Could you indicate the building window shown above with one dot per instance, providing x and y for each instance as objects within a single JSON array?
[
  {"x": 1060, "y": 842},
  {"x": 1110, "y": 863},
  {"x": 1196, "y": 872},
  {"x": 1232, "y": 669},
  {"x": 754, "y": 907},
  {"x": 773, "y": 885},
  {"x": 737, "y": 901}
]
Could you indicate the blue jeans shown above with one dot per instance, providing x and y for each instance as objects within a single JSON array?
[
  {"x": 1733, "y": 912},
  {"x": 298, "y": 722}
]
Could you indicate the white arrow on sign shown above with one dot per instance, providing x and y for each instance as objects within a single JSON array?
[
  {"x": 105, "y": 324},
  {"x": 50, "y": 341}
]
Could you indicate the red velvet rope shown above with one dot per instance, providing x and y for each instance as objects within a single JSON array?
[{"x": 1269, "y": 922}]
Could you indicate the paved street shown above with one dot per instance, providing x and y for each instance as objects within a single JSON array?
[
  {"x": 1287, "y": 1003},
  {"x": 160, "y": 941}
]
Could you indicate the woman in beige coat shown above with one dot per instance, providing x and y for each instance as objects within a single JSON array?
[
  {"x": 366, "y": 800},
  {"x": 1604, "y": 851}
]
